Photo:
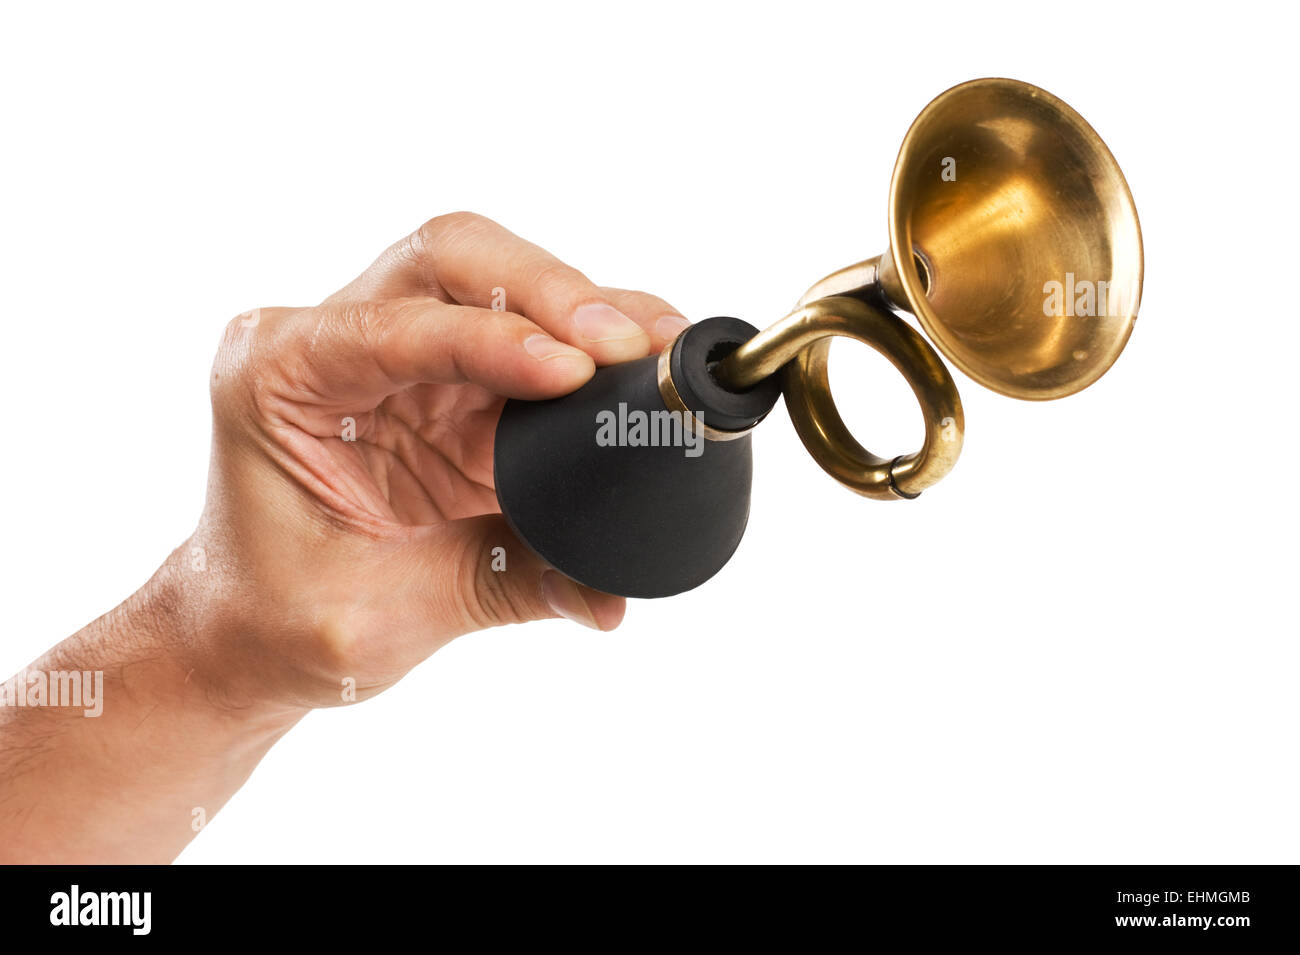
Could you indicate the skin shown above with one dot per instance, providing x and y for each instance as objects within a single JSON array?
[{"x": 321, "y": 564}]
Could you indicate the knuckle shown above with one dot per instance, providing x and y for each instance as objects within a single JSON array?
[
  {"x": 245, "y": 355},
  {"x": 361, "y": 321},
  {"x": 354, "y": 327},
  {"x": 450, "y": 228},
  {"x": 554, "y": 279},
  {"x": 372, "y": 326},
  {"x": 230, "y": 366}
]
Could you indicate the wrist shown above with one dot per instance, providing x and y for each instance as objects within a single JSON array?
[
  {"x": 158, "y": 745},
  {"x": 183, "y": 641}
]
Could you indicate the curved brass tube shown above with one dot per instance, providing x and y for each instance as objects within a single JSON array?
[
  {"x": 1032, "y": 201},
  {"x": 799, "y": 346}
]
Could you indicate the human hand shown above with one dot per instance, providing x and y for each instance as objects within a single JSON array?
[
  {"x": 349, "y": 532},
  {"x": 351, "y": 521}
]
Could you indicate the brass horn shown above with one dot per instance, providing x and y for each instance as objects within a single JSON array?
[{"x": 1014, "y": 241}]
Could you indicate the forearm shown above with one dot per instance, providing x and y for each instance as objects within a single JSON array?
[{"x": 135, "y": 781}]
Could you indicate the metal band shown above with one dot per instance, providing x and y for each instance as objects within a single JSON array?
[{"x": 673, "y": 402}]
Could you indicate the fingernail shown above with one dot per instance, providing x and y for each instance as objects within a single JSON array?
[
  {"x": 563, "y": 596},
  {"x": 543, "y": 347},
  {"x": 604, "y": 323},
  {"x": 670, "y": 326}
]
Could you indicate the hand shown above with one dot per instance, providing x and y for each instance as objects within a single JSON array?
[
  {"x": 351, "y": 515},
  {"x": 349, "y": 532}
]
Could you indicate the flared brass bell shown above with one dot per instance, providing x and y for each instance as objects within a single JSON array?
[{"x": 1013, "y": 239}]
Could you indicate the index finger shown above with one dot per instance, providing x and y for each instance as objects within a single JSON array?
[{"x": 474, "y": 261}]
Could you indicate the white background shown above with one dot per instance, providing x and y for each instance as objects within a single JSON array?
[{"x": 1081, "y": 647}]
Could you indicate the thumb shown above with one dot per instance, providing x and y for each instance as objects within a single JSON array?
[{"x": 486, "y": 577}]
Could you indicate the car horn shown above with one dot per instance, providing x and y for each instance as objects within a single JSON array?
[{"x": 1013, "y": 240}]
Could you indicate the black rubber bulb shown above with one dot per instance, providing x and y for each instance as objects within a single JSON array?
[{"x": 610, "y": 490}]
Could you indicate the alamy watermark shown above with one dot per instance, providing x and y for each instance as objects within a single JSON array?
[
  {"x": 1080, "y": 298},
  {"x": 82, "y": 689},
  {"x": 129, "y": 909},
  {"x": 649, "y": 429}
]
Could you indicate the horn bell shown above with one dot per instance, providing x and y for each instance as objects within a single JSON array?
[{"x": 1001, "y": 196}]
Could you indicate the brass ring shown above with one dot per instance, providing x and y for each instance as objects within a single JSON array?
[
  {"x": 673, "y": 402},
  {"x": 799, "y": 345}
]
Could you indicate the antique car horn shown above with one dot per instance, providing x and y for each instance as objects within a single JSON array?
[{"x": 1013, "y": 239}]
